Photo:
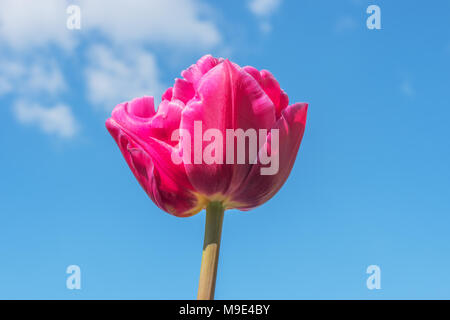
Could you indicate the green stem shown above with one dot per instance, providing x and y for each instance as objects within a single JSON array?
[{"x": 211, "y": 247}]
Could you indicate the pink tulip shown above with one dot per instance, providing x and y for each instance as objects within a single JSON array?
[{"x": 219, "y": 95}]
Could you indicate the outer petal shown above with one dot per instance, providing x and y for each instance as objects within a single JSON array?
[
  {"x": 271, "y": 87},
  {"x": 167, "y": 95},
  {"x": 183, "y": 90},
  {"x": 257, "y": 188},
  {"x": 150, "y": 160},
  {"x": 196, "y": 71},
  {"x": 165, "y": 121},
  {"x": 227, "y": 98}
]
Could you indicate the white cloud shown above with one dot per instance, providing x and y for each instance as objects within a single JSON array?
[
  {"x": 5, "y": 86},
  {"x": 174, "y": 22},
  {"x": 57, "y": 120},
  {"x": 113, "y": 78},
  {"x": 35, "y": 77},
  {"x": 118, "y": 71},
  {"x": 263, "y": 8},
  {"x": 28, "y": 24},
  {"x": 10, "y": 74},
  {"x": 29, "y": 80},
  {"x": 46, "y": 78}
]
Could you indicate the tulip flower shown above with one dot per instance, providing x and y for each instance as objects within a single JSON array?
[{"x": 223, "y": 137}]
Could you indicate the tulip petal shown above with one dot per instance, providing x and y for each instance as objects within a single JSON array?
[
  {"x": 284, "y": 102},
  {"x": 196, "y": 71},
  {"x": 165, "y": 182},
  {"x": 142, "y": 108},
  {"x": 271, "y": 87},
  {"x": 183, "y": 90},
  {"x": 168, "y": 94},
  {"x": 257, "y": 188},
  {"x": 227, "y": 98},
  {"x": 254, "y": 73},
  {"x": 165, "y": 121}
]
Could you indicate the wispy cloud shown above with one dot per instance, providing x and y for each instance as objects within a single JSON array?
[
  {"x": 175, "y": 22},
  {"x": 116, "y": 74},
  {"x": 29, "y": 80},
  {"x": 29, "y": 24},
  {"x": 114, "y": 77},
  {"x": 118, "y": 70},
  {"x": 263, "y": 9},
  {"x": 35, "y": 77},
  {"x": 57, "y": 120}
]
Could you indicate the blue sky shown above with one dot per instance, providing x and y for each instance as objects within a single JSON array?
[{"x": 370, "y": 184}]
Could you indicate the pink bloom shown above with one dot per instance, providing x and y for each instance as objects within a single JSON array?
[{"x": 220, "y": 95}]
